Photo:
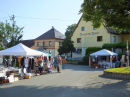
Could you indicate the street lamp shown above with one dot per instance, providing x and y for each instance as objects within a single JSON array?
[{"x": 127, "y": 47}]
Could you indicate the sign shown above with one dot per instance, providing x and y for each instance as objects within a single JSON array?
[{"x": 92, "y": 33}]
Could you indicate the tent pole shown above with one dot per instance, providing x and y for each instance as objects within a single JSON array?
[{"x": 10, "y": 60}]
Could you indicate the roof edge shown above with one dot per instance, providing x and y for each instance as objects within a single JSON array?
[{"x": 76, "y": 26}]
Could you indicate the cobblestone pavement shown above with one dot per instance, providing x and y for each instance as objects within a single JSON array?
[{"x": 76, "y": 81}]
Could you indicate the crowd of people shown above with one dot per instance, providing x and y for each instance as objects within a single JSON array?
[{"x": 59, "y": 63}]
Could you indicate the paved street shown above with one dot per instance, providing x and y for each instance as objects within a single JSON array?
[{"x": 76, "y": 81}]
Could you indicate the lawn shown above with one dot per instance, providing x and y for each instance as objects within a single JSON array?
[
  {"x": 120, "y": 70},
  {"x": 73, "y": 61}
]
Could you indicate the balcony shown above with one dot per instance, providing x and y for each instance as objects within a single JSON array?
[{"x": 43, "y": 47}]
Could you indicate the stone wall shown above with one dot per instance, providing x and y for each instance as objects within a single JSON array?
[{"x": 117, "y": 75}]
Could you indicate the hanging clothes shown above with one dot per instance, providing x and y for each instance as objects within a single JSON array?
[
  {"x": 22, "y": 62},
  {"x": 19, "y": 61},
  {"x": 32, "y": 64}
]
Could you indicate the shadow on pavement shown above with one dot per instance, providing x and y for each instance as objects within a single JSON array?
[
  {"x": 119, "y": 89},
  {"x": 82, "y": 68}
]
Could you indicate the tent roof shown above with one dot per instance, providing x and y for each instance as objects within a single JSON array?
[
  {"x": 103, "y": 52},
  {"x": 39, "y": 49},
  {"x": 20, "y": 50}
]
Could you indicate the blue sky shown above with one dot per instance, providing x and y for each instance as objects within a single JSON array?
[{"x": 38, "y": 16}]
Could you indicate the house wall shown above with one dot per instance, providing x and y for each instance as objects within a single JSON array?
[
  {"x": 118, "y": 38},
  {"x": 90, "y": 40},
  {"x": 53, "y": 48},
  {"x": 126, "y": 37},
  {"x": 89, "y": 36}
]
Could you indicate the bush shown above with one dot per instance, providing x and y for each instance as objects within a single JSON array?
[
  {"x": 92, "y": 49},
  {"x": 86, "y": 58}
]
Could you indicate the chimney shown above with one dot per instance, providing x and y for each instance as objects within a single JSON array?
[{"x": 52, "y": 27}]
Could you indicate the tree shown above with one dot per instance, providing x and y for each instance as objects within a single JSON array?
[
  {"x": 67, "y": 45},
  {"x": 69, "y": 30},
  {"x": 10, "y": 34},
  {"x": 5, "y": 30},
  {"x": 111, "y": 13}
]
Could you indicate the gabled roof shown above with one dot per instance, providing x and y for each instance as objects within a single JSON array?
[
  {"x": 76, "y": 25},
  {"x": 110, "y": 30},
  {"x": 52, "y": 33},
  {"x": 28, "y": 43}
]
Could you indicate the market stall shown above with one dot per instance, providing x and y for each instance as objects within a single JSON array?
[
  {"x": 26, "y": 62},
  {"x": 20, "y": 50},
  {"x": 101, "y": 58}
]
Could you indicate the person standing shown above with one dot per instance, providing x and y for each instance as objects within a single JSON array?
[
  {"x": 52, "y": 62},
  {"x": 114, "y": 61},
  {"x": 63, "y": 63},
  {"x": 59, "y": 59}
]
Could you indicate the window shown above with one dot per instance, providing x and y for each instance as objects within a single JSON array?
[
  {"x": 114, "y": 38},
  {"x": 94, "y": 28},
  {"x": 37, "y": 43},
  {"x": 43, "y": 44},
  {"x": 78, "y": 40},
  {"x": 59, "y": 43},
  {"x": 79, "y": 51},
  {"x": 82, "y": 28},
  {"x": 99, "y": 38},
  {"x": 50, "y": 43}
]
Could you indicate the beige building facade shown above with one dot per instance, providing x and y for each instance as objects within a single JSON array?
[{"x": 85, "y": 35}]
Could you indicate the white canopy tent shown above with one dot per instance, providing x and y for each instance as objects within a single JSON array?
[
  {"x": 21, "y": 50},
  {"x": 103, "y": 52}
]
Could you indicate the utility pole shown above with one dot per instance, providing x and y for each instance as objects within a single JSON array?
[{"x": 12, "y": 18}]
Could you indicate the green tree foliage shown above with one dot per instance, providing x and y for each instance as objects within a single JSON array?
[
  {"x": 5, "y": 31},
  {"x": 113, "y": 13},
  {"x": 66, "y": 47},
  {"x": 10, "y": 34},
  {"x": 121, "y": 45},
  {"x": 92, "y": 49},
  {"x": 69, "y": 30}
]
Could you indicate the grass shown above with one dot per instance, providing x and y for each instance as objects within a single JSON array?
[
  {"x": 73, "y": 61},
  {"x": 120, "y": 70}
]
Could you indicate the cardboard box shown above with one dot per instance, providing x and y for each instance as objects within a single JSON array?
[
  {"x": 11, "y": 79},
  {"x": 27, "y": 77},
  {"x": 16, "y": 78}
]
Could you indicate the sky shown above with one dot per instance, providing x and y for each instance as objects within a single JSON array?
[{"x": 38, "y": 16}]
